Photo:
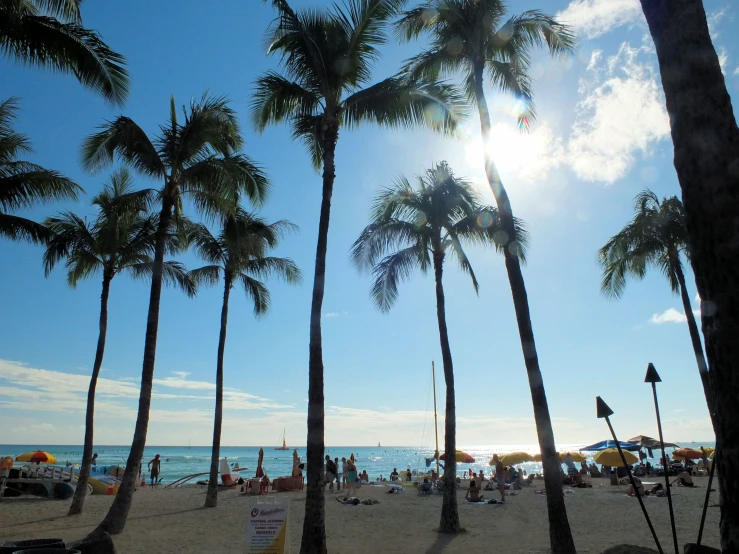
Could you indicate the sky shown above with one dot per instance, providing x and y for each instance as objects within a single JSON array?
[{"x": 602, "y": 136}]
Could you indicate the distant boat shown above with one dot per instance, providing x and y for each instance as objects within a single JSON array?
[
  {"x": 284, "y": 443},
  {"x": 378, "y": 445}
]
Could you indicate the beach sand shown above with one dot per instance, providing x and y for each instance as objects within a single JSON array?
[{"x": 174, "y": 521}]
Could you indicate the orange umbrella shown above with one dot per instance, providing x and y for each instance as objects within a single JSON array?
[
  {"x": 260, "y": 471},
  {"x": 352, "y": 457},
  {"x": 462, "y": 457},
  {"x": 296, "y": 463},
  {"x": 38, "y": 456},
  {"x": 686, "y": 454}
]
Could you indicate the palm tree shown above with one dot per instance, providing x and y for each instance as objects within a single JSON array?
[
  {"x": 327, "y": 56},
  {"x": 657, "y": 237},
  {"x": 49, "y": 33},
  {"x": 121, "y": 239},
  {"x": 197, "y": 158},
  {"x": 23, "y": 184},
  {"x": 472, "y": 37},
  {"x": 705, "y": 137},
  {"x": 238, "y": 256},
  {"x": 416, "y": 229}
]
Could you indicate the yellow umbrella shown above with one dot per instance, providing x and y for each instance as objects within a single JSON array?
[
  {"x": 514, "y": 458},
  {"x": 611, "y": 457},
  {"x": 37, "y": 456},
  {"x": 709, "y": 451},
  {"x": 576, "y": 456},
  {"x": 537, "y": 457},
  {"x": 461, "y": 457}
]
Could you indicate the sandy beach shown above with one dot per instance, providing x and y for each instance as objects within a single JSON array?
[{"x": 174, "y": 521}]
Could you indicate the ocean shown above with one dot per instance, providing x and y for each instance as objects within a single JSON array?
[{"x": 181, "y": 461}]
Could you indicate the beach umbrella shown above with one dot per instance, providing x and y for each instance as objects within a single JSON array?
[
  {"x": 576, "y": 456},
  {"x": 537, "y": 457},
  {"x": 462, "y": 457},
  {"x": 611, "y": 457},
  {"x": 352, "y": 457},
  {"x": 709, "y": 451},
  {"x": 514, "y": 458},
  {"x": 296, "y": 462},
  {"x": 260, "y": 471},
  {"x": 687, "y": 454},
  {"x": 37, "y": 456},
  {"x": 648, "y": 442},
  {"x": 603, "y": 445}
]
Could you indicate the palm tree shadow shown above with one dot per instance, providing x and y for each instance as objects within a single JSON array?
[{"x": 440, "y": 544}]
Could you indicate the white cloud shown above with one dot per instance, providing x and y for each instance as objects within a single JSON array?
[
  {"x": 593, "y": 18},
  {"x": 333, "y": 314},
  {"x": 714, "y": 19},
  {"x": 723, "y": 58},
  {"x": 670, "y": 315},
  {"x": 621, "y": 113}
]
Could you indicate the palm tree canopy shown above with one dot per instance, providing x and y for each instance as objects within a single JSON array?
[
  {"x": 327, "y": 56},
  {"x": 238, "y": 254},
  {"x": 121, "y": 238},
  {"x": 49, "y": 33},
  {"x": 23, "y": 184},
  {"x": 198, "y": 156},
  {"x": 415, "y": 223},
  {"x": 656, "y": 236},
  {"x": 470, "y": 36}
]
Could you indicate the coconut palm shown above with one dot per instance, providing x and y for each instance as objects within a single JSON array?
[
  {"x": 121, "y": 239},
  {"x": 327, "y": 56},
  {"x": 237, "y": 256},
  {"x": 705, "y": 138},
  {"x": 417, "y": 228},
  {"x": 196, "y": 158},
  {"x": 473, "y": 38},
  {"x": 655, "y": 237},
  {"x": 49, "y": 33},
  {"x": 23, "y": 184}
]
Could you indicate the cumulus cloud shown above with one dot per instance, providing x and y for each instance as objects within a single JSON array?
[
  {"x": 593, "y": 18},
  {"x": 333, "y": 314},
  {"x": 670, "y": 315},
  {"x": 621, "y": 113}
]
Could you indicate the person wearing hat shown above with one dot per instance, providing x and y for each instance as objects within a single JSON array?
[{"x": 154, "y": 467}]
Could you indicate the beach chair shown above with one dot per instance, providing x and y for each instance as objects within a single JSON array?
[{"x": 425, "y": 488}]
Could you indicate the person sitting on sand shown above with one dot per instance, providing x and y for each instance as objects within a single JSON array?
[
  {"x": 583, "y": 468},
  {"x": 658, "y": 490},
  {"x": 683, "y": 479},
  {"x": 409, "y": 475},
  {"x": 394, "y": 474},
  {"x": 594, "y": 472},
  {"x": 426, "y": 486},
  {"x": 363, "y": 477},
  {"x": 639, "y": 488},
  {"x": 473, "y": 493},
  {"x": 264, "y": 485}
]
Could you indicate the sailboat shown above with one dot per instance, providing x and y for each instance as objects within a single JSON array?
[{"x": 284, "y": 443}]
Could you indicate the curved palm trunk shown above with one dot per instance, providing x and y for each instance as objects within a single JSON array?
[
  {"x": 314, "y": 525},
  {"x": 706, "y": 141},
  {"x": 211, "y": 497},
  {"x": 560, "y": 535},
  {"x": 695, "y": 339},
  {"x": 79, "y": 495},
  {"x": 449, "y": 513},
  {"x": 115, "y": 520}
]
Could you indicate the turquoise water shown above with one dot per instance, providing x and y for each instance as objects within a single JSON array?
[{"x": 180, "y": 461}]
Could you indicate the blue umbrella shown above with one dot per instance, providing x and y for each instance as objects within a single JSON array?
[{"x": 602, "y": 445}]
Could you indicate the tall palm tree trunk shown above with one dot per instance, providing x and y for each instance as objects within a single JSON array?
[
  {"x": 449, "y": 512},
  {"x": 79, "y": 495},
  {"x": 115, "y": 520},
  {"x": 560, "y": 535},
  {"x": 695, "y": 338},
  {"x": 706, "y": 140},
  {"x": 211, "y": 497},
  {"x": 314, "y": 525}
]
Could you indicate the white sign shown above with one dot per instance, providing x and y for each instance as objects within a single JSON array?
[{"x": 266, "y": 528}]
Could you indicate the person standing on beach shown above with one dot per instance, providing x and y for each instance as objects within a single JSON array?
[
  {"x": 94, "y": 461},
  {"x": 330, "y": 473},
  {"x": 499, "y": 477},
  {"x": 351, "y": 477},
  {"x": 154, "y": 466}
]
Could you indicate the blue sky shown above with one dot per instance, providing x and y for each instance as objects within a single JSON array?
[{"x": 602, "y": 136}]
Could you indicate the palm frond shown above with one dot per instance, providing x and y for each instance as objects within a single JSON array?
[
  {"x": 257, "y": 292},
  {"x": 534, "y": 28},
  {"x": 67, "y": 10},
  {"x": 124, "y": 138},
  {"x": 68, "y": 233},
  {"x": 23, "y": 184},
  {"x": 282, "y": 268},
  {"x": 308, "y": 129},
  {"x": 19, "y": 228},
  {"x": 276, "y": 99},
  {"x": 209, "y": 275},
  {"x": 403, "y": 102},
  {"x": 416, "y": 21},
  {"x": 392, "y": 270},
  {"x": 509, "y": 78},
  {"x": 68, "y": 47},
  {"x": 173, "y": 273},
  {"x": 464, "y": 262},
  {"x": 383, "y": 236},
  {"x": 206, "y": 245}
]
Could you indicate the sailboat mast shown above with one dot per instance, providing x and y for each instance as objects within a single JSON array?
[{"x": 436, "y": 426}]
